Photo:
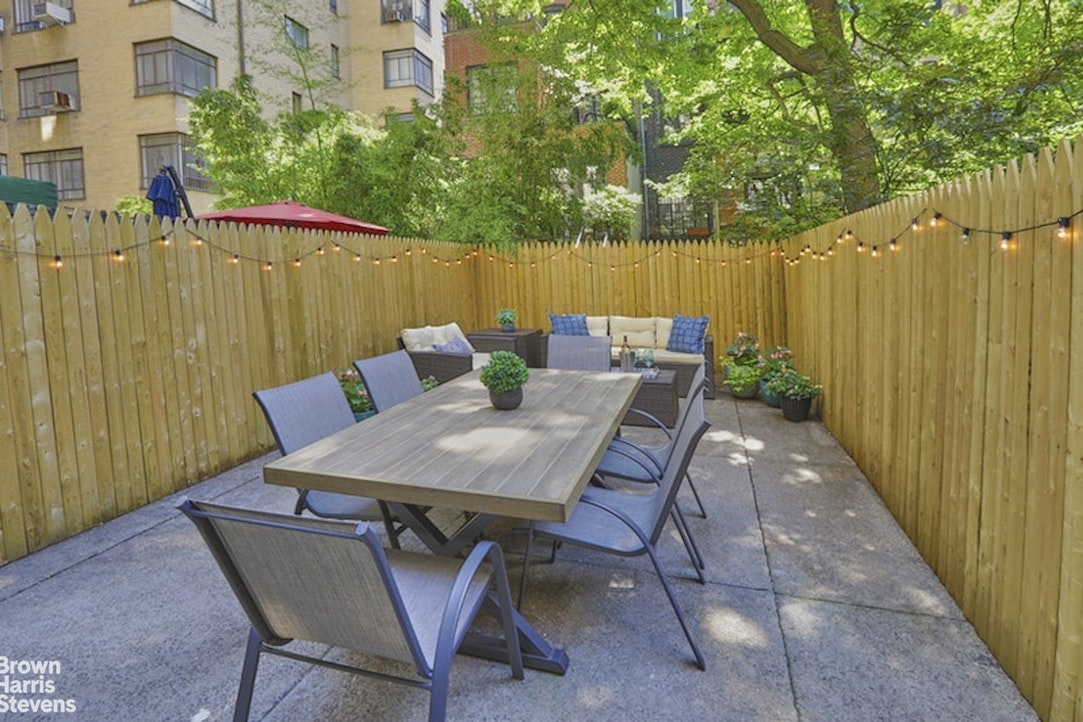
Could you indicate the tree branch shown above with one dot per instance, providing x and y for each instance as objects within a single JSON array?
[{"x": 799, "y": 58}]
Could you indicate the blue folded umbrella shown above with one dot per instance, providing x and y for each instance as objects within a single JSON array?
[{"x": 164, "y": 196}]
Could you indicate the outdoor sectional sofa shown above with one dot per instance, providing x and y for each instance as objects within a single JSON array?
[
  {"x": 443, "y": 352},
  {"x": 651, "y": 332}
]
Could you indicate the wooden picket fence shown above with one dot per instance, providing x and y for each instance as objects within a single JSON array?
[{"x": 953, "y": 370}]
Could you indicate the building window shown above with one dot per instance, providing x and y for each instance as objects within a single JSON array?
[
  {"x": 63, "y": 168},
  {"x": 3, "y": 163},
  {"x": 36, "y": 86},
  {"x": 407, "y": 67},
  {"x": 173, "y": 149},
  {"x": 297, "y": 33},
  {"x": 170, "y": 66},
  {"x": 203, "y": 7},
  {"x": 492, "y": 88},
  {"x": 25, "y": 19},
  {"x": 423, "y": 14},
  {"x": 332, "y": 5},
  {"x": 336, "y": 66},
  {"x": 395, "y": 11},
  {"x": 298, "y": 105}
]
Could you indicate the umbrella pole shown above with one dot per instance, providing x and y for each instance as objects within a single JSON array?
[{"x": 179, "y": 187}]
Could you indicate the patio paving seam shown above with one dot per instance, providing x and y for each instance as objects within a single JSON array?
[{"x": 770, "y": 572}]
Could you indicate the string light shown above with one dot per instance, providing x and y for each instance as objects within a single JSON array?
[
  {"x": 935, "y": 220},
  {"x": 58, "y": 262},
  {"x": 376, "y": 261},
  {"x": 296, "y": 262},
  {"x": 915, "y": 224},
  {"x": 357, "y": 257},
  {"x": 966, "y": 236},
  {"x": 849, "y": 234},
  {"x": 235, "y": 260},
  {"x": 118, "y": 255},
  {"x": 893, "y": 245},
  {"x": 268, "y": 267},
  {"x": 1063, "y": 223},
  {"x": 164, "y": 240},
  {"x": 319, "y": 251},
  {"x": 1005, "y": 240},
  {"x": 875, "y": 251},
  {"x": 860, "y": 246}
]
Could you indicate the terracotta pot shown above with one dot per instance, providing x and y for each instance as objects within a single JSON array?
[{"x": 507, "y": 400}]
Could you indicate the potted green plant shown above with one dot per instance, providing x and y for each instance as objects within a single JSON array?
[
  {"x": 771, "y": 364},
  {"x": 504, "y": 376},
  {"x": 505, "y": 318},
  {"x": 795, "y": 393},
  {"x": 743, "y": 380},
  {"x": 356, "y": 393}
]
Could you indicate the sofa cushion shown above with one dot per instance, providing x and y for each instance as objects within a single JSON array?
[
  {"x": 640, "y": 331},
  {"x": 598, "y": 325},
  {"x": 662, "y": 329},
  {"x": 417, "y": 339},
  {"x": 663, "y": 356},
  {"x": 457, "y": 345},
  {"x": 688, "y": 333},
  {"x": 569, "y": 324}
]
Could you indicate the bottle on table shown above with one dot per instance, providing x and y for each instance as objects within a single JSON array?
[{"x": 627, "y": 358}]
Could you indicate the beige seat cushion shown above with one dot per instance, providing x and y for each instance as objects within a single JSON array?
[
  {"x": 640, "y": 331},
  {"x": 662, "y": 356}
]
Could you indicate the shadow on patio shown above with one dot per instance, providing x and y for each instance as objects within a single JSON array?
[{"x": 817, "y": 607}]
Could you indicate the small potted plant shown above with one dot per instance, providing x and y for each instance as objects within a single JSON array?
[
  {"x": 771, "y": 364},
  {"x": 740, "y": 366},
  {"x": 505, "y": 318},
  {"x": 743, "y": 380},
  {"x": 795, "y": 393},
  {"x": 504, "y": 376},
  {"x": 356, "y": 393}
]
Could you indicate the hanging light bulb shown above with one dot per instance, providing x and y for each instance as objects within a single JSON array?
[
  {"x": 58, "y": 262},
  {"x": 1006, "y": 240},
  {"x": 875, "y": 251},
  {"x": 915, "y": 224},
  {"x": 893, "y": 245},
  {"x": 935, "y": 220},
  {"x": 860, "y": 246},
  {"x": 1062, "y": 227},
  {"x": 235, "y": 260},
  {"x": 966, "y": 236},
  {"x": 118, "y": 255}
]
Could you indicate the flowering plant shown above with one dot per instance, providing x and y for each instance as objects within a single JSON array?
[
  {"x": 354, "y": 388},
  {"x": 790, "y": 384},
  {"x": 775, "y": 361},
  {"x": 745, "y": 349}
]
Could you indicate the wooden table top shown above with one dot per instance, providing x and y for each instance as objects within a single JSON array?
[{"x": 450, "y": 448}]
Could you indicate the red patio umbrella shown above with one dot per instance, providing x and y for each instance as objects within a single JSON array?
[{"x": 291, "y": 214}]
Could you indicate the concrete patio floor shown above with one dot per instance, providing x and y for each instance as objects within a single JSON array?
[{"x": 816, "y": 607}]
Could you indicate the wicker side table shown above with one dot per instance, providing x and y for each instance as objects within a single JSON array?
[{"x": 658, "y": 397}]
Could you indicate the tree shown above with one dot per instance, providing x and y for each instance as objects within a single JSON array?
[{"x": 802, "y": 111}]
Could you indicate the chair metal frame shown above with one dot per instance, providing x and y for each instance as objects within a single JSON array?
[{"x": 268, "y": 607}]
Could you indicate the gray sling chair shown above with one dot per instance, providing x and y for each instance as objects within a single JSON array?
[
  {"x": 306, "y": 411},
  {"x": 639, "y": 469},
  {"x": 389, "y": 379},
  {"x": 624, "y": 524},
  {"x": 579, "y": 353},
  {"x": 333, "y": 583}
]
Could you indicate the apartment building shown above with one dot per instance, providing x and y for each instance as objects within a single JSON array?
[{"x": 94, "y": 94}]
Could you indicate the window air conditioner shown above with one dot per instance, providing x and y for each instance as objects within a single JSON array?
[
  {"x": 54, "y": 100},
  {"x": 51, "y": 14},
  {"x": 394, "y": 16}
]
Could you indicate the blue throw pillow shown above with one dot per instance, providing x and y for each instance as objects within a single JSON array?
[
  {"x": 569, "y": 324},
  {"x": 456, "y": 346},
  {"x": 688, "y": 334}
]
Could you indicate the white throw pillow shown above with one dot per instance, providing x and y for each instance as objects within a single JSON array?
[
  {"x": 662, "y": 329},
  {"x": 417, "y": 339},
  {"x": 443, "y": 334},
  {"x": 598, "y": 325}
]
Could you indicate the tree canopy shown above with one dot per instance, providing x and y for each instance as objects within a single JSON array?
[{"x": 806, "y": 110}]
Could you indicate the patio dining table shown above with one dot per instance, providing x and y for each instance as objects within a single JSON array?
[{"x": 450, "y": 448}]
